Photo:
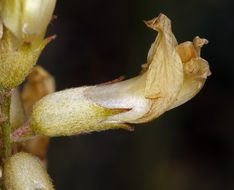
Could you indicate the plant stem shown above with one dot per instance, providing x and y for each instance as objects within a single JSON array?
[
  {"x": 6, "y": 130},
  {"x": 3, "y": 187}
]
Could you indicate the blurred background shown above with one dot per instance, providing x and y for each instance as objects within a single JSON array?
[{"x": 188, "y": 148}]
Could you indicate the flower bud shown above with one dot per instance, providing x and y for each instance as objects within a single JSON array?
[
  {"x": 172, "y": 75},
  {"x": 69, "y": 113},
  {"x": 23, "y": 171}
]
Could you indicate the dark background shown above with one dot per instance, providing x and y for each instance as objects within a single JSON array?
[{"x": 188, "y": 148}]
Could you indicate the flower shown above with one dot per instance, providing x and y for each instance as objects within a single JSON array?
[
  {"x": 25, "y": 171},
  {"x": 23, "y": 26},
  {"x": 172, "y": 75},
  {"x": 27, "y": 19}
]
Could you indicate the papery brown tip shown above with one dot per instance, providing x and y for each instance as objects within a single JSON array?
[
  {"x": 159, "y": 23},
  {"x": 199, "y": 43}
]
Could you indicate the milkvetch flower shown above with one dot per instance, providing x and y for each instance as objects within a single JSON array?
[
  {"x": 27, "y": 19},
  {"x": 172, "y": 75},
  {"x": 23, "y": 26},
  {"x": 24, "y": 171}
]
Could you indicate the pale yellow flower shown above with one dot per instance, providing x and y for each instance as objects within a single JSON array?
[
  {"x": 23, "y": 26},
  {"x": 172, "y": 75},
  {"x": 27, "y": 19}
]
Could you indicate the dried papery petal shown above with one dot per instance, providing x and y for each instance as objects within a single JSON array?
[
  {"x": 165, "y": 73},
  {"x": 165, "y": 69},
  {"x": 23, "y": 171},
  {"x": 196, "y": 69},
  {"x": 154, "y": 91}
]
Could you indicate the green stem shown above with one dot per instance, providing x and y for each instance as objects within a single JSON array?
[{"x": 6, "y": 130}]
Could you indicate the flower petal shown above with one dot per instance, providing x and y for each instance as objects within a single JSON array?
[
  {"x": 196, "y": 70},
  {"x": 164, "y": 70}
]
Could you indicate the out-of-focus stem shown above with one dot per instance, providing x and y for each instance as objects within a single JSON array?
[
  {"x": 3, "y": 187},
  {"x": 6, "y": 131}
]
